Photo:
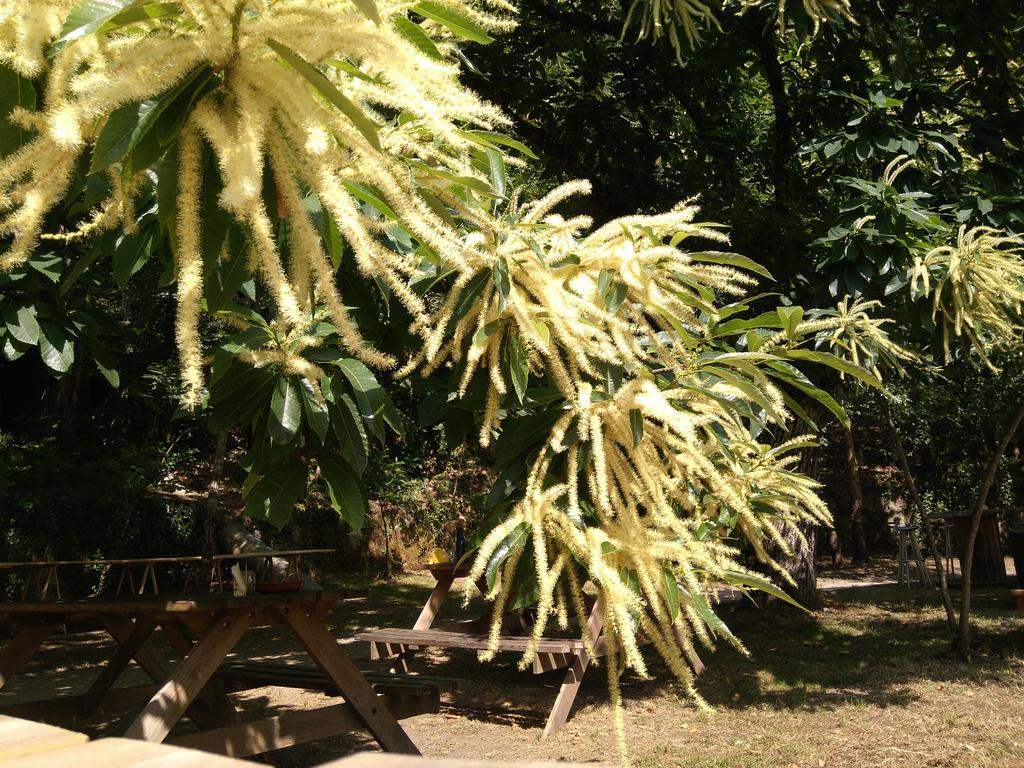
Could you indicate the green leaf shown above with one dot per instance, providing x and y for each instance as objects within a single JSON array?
[
  {"x": 347, "y": 497},
  {"x": 499, "y": 273},
  {"x": 731, "y": 260},
  {"x": 470, "y": 294},
  {"x": 21, "y": 323},
  {"x": 56, "y": 349},
  {"x": 636, "y": 425},
  {"x": 329, "y": 91},
  {"x": 456, "y": 23},
  {"x": 349, "y": 429},
  {"x": 274, "y": 495},
  {"x": 671, "y": 592},
  {"x": 13, "y": 349},
  {"x": 412, "y": 32},
  {"x": 285, "y": 411},
  {"x": 741, "y": 580},
  {"x": 487, "y": 138},
  {"x": 315, "y": 408},
  {"x": 238, "y": 394},
  {"x": 369, "y": 394},
  {"x": 499, "y": 176},
  {"x": 515, "y": 540},
  {"x": 519, "y": 366},
  {"x": 791, "y": 317},
  {"x": 87, "y": 17},
  {"x": 843, "y": 366},
  {"x": 131, "y": 255},
  {"x": 120, "y": 133},
  {"x": 137, "y": 12},
  {"x": 369, "y": 9}
]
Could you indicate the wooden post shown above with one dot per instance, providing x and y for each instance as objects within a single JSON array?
[
  {"x": 189, "y": 677},
  {"x": 574, "y": 677},
  {"x": 22, "y": 648},
  {"x": 329, "y": 656}
]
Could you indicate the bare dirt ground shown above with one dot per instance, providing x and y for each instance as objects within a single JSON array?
[{"x": 867, "y": 680}]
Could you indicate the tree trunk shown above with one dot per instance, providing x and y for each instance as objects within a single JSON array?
[
  {"x": 987, "y": 481},
  {"x": 800, "y": 565},
  {"x": 932, "y": 542},
  {"x": 782, "y": 156},
  {"x": 860, "y": 544},
  {"x": 213, "y": 517}
]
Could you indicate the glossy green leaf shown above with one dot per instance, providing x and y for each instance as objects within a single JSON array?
[
  {"x": 21, "y": 323},
  {"x": 285, "y": 411},
  {"x": 329, "y": 91},
  {"x": 456, "y": 23},
  {"x": 274, "y": 495},
  {"x": 55, "y": 348},
  {"x": 346, "y": 491},
  {"x": 843, "y": 366},
  {"x": 671, "y": 592},
  {"x": 314, "y": 407},
  {"x": 348, "y": 426},
  {"x": 414, "y": 33},
  {"x": 518, "y": 365}
]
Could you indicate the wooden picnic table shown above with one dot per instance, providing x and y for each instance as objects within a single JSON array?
[
  {"x": 204, "y": 628},
  {"x": 552, "y": 653}
]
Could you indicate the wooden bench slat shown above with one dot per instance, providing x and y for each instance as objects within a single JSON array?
[
  {"x": 432, "y": 638},
  {"x": 312, "y": 677}
]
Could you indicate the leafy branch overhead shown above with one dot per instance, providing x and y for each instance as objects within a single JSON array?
[{"x": 332, "y": 204}]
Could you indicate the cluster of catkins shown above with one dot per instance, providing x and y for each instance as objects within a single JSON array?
[{"x": 619, "y": 492}]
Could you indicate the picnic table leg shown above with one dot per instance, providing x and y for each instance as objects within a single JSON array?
[
  {"x": 426, "y": 618},
  {"x": 574, "y": 677},
  {"x": 329, "y": 656},
  {"x": 21, "y": 648},
  {"x": 126, "y": 651},
  {"x": 213, "y": 697},
  {"x": 189, "y": 678}
]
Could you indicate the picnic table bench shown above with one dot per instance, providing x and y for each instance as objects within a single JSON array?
[
  {"x": 205, "y": 628},
  {"x": 552, "y": 653}
]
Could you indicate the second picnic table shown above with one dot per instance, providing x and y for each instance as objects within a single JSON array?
[
  {"x": 553, "y": 653},
  {"x": 204, "y": 628}
]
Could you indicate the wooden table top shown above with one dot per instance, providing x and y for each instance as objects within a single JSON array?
[
  {"x": 124, "y": 753},
  {"x": 133, "y": 604},
  {"x": 22, "y": 737}
]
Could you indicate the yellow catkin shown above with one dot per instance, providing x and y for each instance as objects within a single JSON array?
[{"x": 190, "y": 267}]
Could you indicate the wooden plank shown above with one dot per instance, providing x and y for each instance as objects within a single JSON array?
[
  {"x": 23, "y": 737},
  {"x": 216, "y": 708},
  {"x": 325, "y": 651},
  {"x": 438, "y": 638},
  {"x": 64, "y": 709},
  {"x": 188, "y": 679},
  {"x": 21, "y": 648},
  {"x": 298, "y": 727},
  {"x": 124, "y": 753},
  {"x": 123, "y": 656},
  {"x": 574, "y": 677}
]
